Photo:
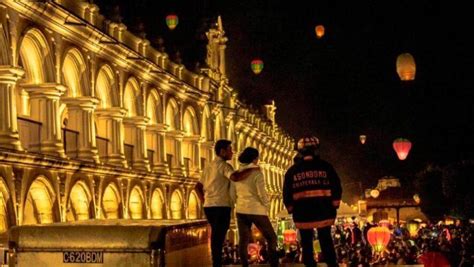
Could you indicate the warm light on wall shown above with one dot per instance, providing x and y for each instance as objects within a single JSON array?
[
  {"x": 193, "y": 206},
  {"x": 78, "y": 206},
  {"x": 176, "y": 205},
  {"x": 104, "y": 86},
  {"x": 130, "y": 97},
  {"x": 73, "y": 70},
  {"x": 136, "y": 203},
  {"x": 39, "y": 203},
  {"x": 157, "y": 203},
  {"x": 110, "y": 202}
]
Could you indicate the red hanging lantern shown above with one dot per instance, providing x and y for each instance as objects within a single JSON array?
[
  {"x": 172, "y": 21},
  {"x": 378, "y": 237},
  {"x": 256, "y": 65},
  {"x": 319, "y": 31},
  {"x": 402, "y": 146},
  {"x": 289, "y": 236},
  {"x": 362, "y": 138}
]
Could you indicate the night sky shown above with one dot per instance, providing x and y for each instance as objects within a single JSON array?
[{"x": 344, "y": 84}]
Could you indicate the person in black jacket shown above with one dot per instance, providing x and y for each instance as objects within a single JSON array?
[{"x": 312, "y": 193}]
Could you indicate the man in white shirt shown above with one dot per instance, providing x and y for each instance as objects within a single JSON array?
[{"x": 215, "y": 184}]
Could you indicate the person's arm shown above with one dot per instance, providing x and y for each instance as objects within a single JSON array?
[
  {"x": 236, "y": 176},
  {"x": 336, "y": 189},
  {"x": 288, "y": 192},
  {"x": 261, "y": 191}
]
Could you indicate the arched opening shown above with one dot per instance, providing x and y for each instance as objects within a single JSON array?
[
  {"x": 111, "y": 202},
  {"x": 38, "y": 207},
  {"x": 35, "y": 58},
  {"x": 130, "y": 97},
  {"x": 157, "y": 205},
  {"x": 172, "y": 120},
  {"x": 176, "y": 205},
  {"x": 131, "y": 102},
  {"x": 4, "y": 197},
  {"x": 75, "y": 74},
  {"x": 135, "y": 203},
  {"x": 154, "y": 112},
  {"x": 78, "y": 207},
  {"x": 105, "y": 87},
  {"x": 219, "y": 130},
  {"x": 4, "y": 56},
  {"x": 190, "y": 146},
  {"x": 194, "y": 207},
  {"x": 206, "y": 134}
]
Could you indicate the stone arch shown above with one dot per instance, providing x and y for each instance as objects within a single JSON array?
[
  {"x": 36, "y": 57},
  {"x": 176, "y": 205},
  {"x": 111, "y": 201},
  {"x": 219, "y": 128},
  {"x": 75, "y": 73},
  {"x": 206, "y": 125},
  {"x": 39, "y": 202},
  {"x": 136, "y": 203},
  {"x": 158, "y": 206},
  {"x": 190, "y": 122},
  {"x": 4, "y": 55},
  {"x": 172, "y": 114},
  {"x": 79, "y": 205},
  {"x": 194, "y": 206},
  {"x": 131, "y": 97},
  {"x": 5, "y": 207},
  {"x": 106, "y": 87},
  {"x": 154, "y": 107}
]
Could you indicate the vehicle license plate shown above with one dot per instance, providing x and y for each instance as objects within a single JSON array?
[{"x": 83, "y": 257}]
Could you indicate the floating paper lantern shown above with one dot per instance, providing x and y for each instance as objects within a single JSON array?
[
  {"x": 172, "y": 21},
  {"x": 402, "y": 146},
  {"x": 406, "y": 67},
  {"x": 319, "y": 31},
  {"x": 256, "y": 65},
  {"x": 362, "y": 138}
]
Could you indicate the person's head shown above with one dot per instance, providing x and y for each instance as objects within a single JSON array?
[
  {"x": 223, "y": 149},
  {"x": 308, "y": 146},
  {"x": 249, "y": 155}
]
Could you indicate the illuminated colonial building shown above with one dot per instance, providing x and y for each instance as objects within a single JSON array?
[{"x": 96, "y": 123}]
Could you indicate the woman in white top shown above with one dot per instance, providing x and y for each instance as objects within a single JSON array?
[{"x": 252, "y": 205}]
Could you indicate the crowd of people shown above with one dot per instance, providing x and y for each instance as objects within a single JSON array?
[
  {"x": 311, "y": 194},
  {"x": 453, "y": 245}
]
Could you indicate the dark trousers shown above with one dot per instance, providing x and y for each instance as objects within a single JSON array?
[
  {"x": 327, "y": 246},
  {"x": 219, "y": 219},
  {"x": 263, "y": 224}
]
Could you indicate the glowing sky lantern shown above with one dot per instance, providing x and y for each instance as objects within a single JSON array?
[
  {"x": 172, "y": 21},
  {"x": 402, "y": 146},
  {"x": 256, "y": 65},
  {"x": 406, "y": 67},
  {"x": 378, "y": 238},
  {"x": 362, "y": 138},
  {"x": 319, "y": 31}
]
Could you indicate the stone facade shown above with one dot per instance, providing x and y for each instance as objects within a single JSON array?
[{"x": 96, "y": 123}]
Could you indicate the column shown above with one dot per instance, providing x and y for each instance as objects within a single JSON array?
[
  {"x": 45, "y": 100},
  {"x": 159, "y": 160},
  {"x": 81, "y": 118},
  {"x": 9, "y": 137},
  {"x": 137, "y": 126},
  {"x": 111, "y": 120},
  {"x": 177, "y": 166},
  {"x": 193, "y": 142}
]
